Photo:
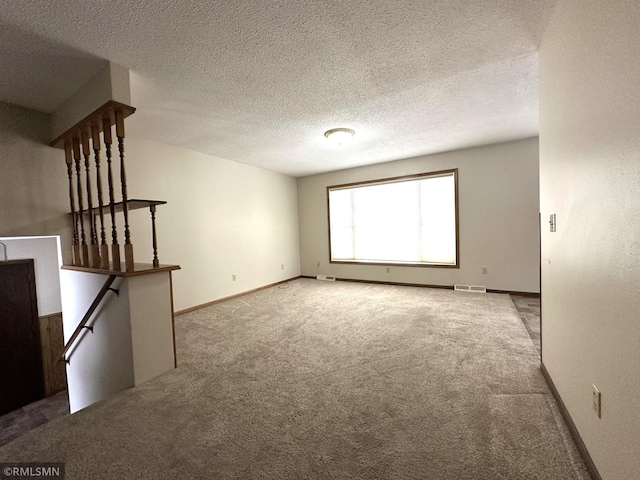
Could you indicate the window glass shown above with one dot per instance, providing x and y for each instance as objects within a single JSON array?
[{"x": 407, "y": 220}]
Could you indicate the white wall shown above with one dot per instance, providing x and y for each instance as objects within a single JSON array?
[
  {"x": 45, "y": 252},
  {"x": 100, "y": 363},
  {"x": 132, "y": 338},
  {"x": 498, "y": 214},
  {"x": 222, "y": 218},
  {"x": 590, "y": 178},
  {"x": 151, "y": 325}
]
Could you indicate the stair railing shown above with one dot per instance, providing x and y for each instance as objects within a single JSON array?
[{"x": 87, "y": 316}]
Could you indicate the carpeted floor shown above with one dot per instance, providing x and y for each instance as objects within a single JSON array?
[
  {"x": 21, "y": 421},
  {"x": 329, "y": 380}
]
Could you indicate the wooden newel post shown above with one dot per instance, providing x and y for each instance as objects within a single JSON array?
[
  {"x": 115, "y": 248},
  {"x": 80, "y": 214},
  {"x": 72, "y": 205},
  {"x": 128, "y": 247},
  {"x": 104, "y": 248}
]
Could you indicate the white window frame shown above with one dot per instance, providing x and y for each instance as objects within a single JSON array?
[{"x": 407, "y": 178}]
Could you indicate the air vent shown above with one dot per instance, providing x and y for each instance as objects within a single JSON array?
[
  {"x": 470, "y": 288},
  {"x": 326, "y": 278}
]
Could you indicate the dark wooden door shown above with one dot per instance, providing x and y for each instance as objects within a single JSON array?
[{"x": 21, "y": 379}]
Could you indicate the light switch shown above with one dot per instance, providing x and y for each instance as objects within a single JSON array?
[{"x": 552, "y": 222}]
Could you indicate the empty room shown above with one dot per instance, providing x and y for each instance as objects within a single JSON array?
[{"x": 285, "y": 240}]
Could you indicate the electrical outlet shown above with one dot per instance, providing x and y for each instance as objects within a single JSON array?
[
  {"x": 282, "y": 266},
  {"x": 484, "y": 270},
  {"x": 318, "y": 264},
  {"x": 388, "y": 270},
  {"x": 233, "y": 277},
  {"x": 595, "y": 401}
]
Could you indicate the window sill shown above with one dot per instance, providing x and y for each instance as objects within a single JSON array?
[{"x": 394, "y": 264}]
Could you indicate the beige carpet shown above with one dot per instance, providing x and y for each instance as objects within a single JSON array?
[{"x": 329, "y": 380}]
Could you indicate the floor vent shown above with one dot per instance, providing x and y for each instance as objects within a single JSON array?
[
  {"x": 326, "y": 278},
  {"x": 470, "y": 288}
]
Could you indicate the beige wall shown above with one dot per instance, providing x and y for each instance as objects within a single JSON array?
[
  {"x": 110, "y": 83},
  {"x": 33, "y": 188},
  {"x": 45, "y": 252},
  {"x": 498, "y": 193},
  {"x": 222, "y": 218},
  {"x": 590, "y": 178}
]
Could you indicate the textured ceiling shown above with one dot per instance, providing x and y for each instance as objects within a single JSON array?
[{"x": 259, "y": 81}]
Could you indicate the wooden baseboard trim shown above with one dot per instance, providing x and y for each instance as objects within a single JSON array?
[
  {"x": 445, "y": 287},
  {"x": 591, "y": 467},
  {"x": 377, "y": 282},
  {"x": 231, "y": 297},
  {"x": 400, "y": 284},
  {"x": 511, "y": 292}
]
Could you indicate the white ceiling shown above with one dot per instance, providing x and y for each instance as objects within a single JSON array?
[{"x": 259, "y": 81}]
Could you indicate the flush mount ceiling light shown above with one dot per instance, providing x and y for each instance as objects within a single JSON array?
[{"x": 339, "y": 135}]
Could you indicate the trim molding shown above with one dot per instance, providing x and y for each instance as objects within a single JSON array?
[
  {"x": 414, "y": 176},
  {"x": 445, "y": 287},
  {"x": 173, "y": 323},
  {"x": 511, "y": 292},
  {"x": 591, "y": 467},
  {"x": 231, "y": 297}
]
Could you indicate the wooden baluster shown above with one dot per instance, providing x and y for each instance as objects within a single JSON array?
[
  {"x": 72, "y": 204},
  {"x": 104, "y": 248},
  {"x": 115, "y": 248},
  {"x": 95, "y": 249},
  {"x": 156, "y": 262},
  {"x": 128, "y": 247},
  {"x": 83, "y": 238}
]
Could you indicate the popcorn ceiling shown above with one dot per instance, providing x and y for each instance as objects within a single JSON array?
[{"x": 259, "y": 82}]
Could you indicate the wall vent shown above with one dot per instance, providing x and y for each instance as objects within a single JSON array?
[
  {"x": 326, "y": 278},
  {"x": 470, "y": 288}
]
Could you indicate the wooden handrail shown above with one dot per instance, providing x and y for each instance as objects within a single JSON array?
[{"x": 103, "y": 291}]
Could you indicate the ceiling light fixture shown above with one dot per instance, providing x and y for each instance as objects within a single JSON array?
[{"x": 339, "y": 135}]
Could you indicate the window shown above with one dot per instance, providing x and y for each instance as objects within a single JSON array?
[{"x": 410, "y": 220}]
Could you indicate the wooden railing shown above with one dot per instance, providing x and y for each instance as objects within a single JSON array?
[{"x": 89, "y": 228}]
